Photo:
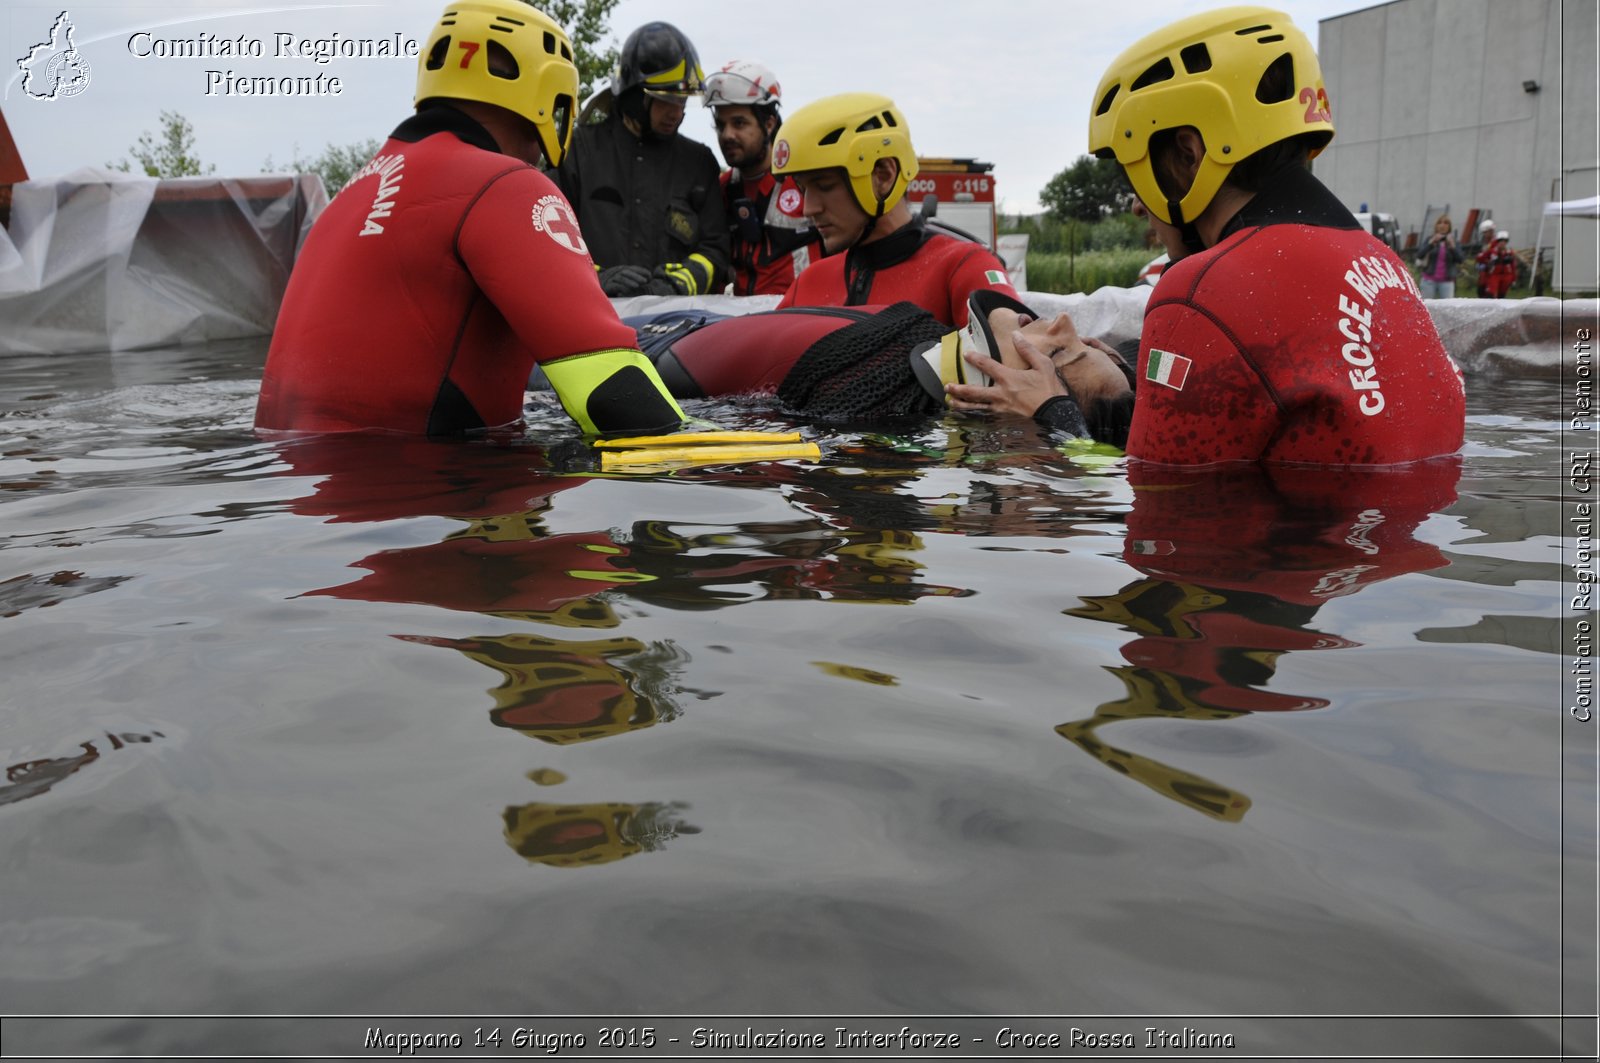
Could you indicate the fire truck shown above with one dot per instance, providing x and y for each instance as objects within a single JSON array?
[{"x": 964, "y": 193}]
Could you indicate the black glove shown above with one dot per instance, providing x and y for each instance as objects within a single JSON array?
[
  {"x": 662, "y": 286},
  {"x": 618, "y": 281},
  {"x": 673, "y": 278}
]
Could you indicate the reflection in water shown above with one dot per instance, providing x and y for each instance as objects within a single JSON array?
[
  {"x": 1238, "y": 561},
  {"x": 25, "y": 592},
  {"x": 565, "y": 692},
  {"x": 851, "y": 541},
  {"x": 31, "y": 778},
  {"x": 585, "y": 835}
]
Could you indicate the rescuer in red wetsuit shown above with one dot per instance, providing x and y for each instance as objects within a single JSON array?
[
  {"x": 449, "y": 265},
  {"x": 852, "y": 159},
  {"x": 1282, "y": 331},
  {"x": 772, "y": 241}
]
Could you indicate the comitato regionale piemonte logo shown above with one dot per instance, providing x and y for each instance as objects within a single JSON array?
[{"x": 54, "y": 69}]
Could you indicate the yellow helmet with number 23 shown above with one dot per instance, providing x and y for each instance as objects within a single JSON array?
[{"x": 1245, "y": 77}]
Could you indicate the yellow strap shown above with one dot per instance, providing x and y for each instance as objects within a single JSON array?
[
  {"x": 951, "y": 369},
  {"x": 686, "y": 439},
  {"x": 704, "y": 455}
]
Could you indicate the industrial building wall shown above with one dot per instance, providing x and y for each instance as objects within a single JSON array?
[{"x": 1430, "y": 107}]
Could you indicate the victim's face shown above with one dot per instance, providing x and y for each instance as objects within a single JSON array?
[{"x": 1049, "y": 335}]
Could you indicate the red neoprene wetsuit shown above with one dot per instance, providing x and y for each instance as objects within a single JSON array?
[
  {"x": 1293, "y": 342},
  {"x": 428, "y": 289},
  {"x": 748, "y": 353},
  {"x": 914, "y": 264}
]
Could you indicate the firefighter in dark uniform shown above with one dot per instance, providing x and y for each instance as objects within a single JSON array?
[{"x": 647, "y": 196}]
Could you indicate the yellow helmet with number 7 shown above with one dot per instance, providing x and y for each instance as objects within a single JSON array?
[
  {"x": 1245, "y": 77},
  {"x": 507, "y": 53},
  {"x": 851, "y": 131}
]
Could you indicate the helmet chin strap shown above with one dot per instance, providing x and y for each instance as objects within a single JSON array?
[
  {"x": 1192, "y": 243},
  {"x": 872, "y": 223}
]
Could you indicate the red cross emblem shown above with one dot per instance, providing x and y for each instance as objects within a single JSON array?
[
  {"x": 555, "y": 219},
  {"x": 780, "y": 154}
]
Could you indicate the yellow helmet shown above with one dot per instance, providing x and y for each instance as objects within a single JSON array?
[
  {"x": 507, "y": 53},
  {"x": 1208, "y": 71},
  {"x": 851, "y": 131}
]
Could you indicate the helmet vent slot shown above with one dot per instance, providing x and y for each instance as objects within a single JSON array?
[
  {"x": 1248, "y": 30},
  {"x": 871, "y": 123},
  {"x": 511, "y": 21},
  {"x": 1157, "y": 73},
  {"x": 1196, "y": 59},
  {"x": 888, "y": 120},
  {"x": 1277, "y": 81},
  {"x": 1273, "y": 39},
  {"x": 1105, "y": 103},
  {"x": 502, "y": 64},
  {"x": 441, "y": 48},
  {"x": 831, "y": 138}
]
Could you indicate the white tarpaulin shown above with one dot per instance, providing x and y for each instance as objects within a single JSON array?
[
  {"x": 104, "y": 261},
  {"x": 1575, "y": 208},
  {"x": 1577, "y": 268}
]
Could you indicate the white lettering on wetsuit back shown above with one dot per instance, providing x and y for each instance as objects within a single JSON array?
[
  {"x": 1368, "y": 275},
  {"x": 389, "y": 169}
]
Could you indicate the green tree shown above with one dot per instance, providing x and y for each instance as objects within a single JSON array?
[
  {"x": 168, "y": 155},
  {"x": 1088, "y": 190},
  {"x": 586, "y": 22},
  {"x": 336, "y": 165}
]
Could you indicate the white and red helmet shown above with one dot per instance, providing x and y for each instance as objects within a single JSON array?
[{"x": 743, "y": 83}]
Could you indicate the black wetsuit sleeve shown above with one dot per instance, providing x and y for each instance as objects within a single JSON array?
[
  {"x": 1061, "y": 415},
  {"x": 1104, "y": 420}
]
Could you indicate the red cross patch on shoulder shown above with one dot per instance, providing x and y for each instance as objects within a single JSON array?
[{"x": 553, "y": 217}]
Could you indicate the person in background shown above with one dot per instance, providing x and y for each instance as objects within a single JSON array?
[
  {"x": 1281, "y": 331},
  {"x": 852, "y": 159},
  {"x": 413, "y": 305},
  {"x": 1497, "y": 267},
  {"x": 646, "y": 195},
  {"x": 772, "y": 243},
  {"x": 1485, "y": 238},
  {"x": 1437, "y": 260}
]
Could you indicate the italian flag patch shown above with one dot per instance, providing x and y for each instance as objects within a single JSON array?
[
  {"x": 1168, "y": 369},
  {"x": 995, "y": 276}
]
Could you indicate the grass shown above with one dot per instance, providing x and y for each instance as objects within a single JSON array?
[{"x": 1087, "y": 270}]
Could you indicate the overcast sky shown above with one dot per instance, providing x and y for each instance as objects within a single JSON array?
[{"x": 1008, "y": 81}]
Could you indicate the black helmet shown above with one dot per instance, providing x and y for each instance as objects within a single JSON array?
[{"x": 658, "y": 58}]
